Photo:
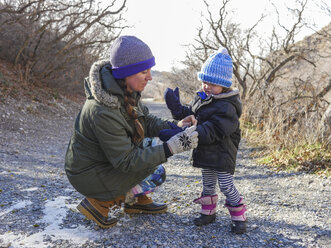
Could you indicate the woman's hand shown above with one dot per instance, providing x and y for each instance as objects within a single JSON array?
[
  {"x": 188, "y": 121},
  {"x": 183, "y": 141}
]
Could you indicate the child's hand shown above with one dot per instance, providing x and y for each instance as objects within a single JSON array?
[
  {"x": 188, "y": 121},
  {"x": 172, "y": 100}
]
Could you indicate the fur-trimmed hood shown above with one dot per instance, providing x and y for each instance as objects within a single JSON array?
[
  {"x": 101, "y": 85},
  {"x": 233, "y": 92}
]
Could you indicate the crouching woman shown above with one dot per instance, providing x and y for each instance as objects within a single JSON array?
[{"x": 106, "y": 160}]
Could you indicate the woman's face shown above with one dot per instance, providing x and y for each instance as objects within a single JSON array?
[
  {"x": 138, "y": 81},
  {"x": 211, "y": 89}
]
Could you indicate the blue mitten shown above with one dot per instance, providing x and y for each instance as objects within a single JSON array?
[
  {"x": 166, "y": 134},
  {"x": 172, "y": 100},
  {"x": 172, "y": 125}
]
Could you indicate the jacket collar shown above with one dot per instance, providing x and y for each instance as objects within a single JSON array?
[
  {"x": 226, "y": 95},
  {"x": 202, "y": 102}
]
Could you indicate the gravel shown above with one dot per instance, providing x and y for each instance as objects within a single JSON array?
[{"x": 38, "y": 205}]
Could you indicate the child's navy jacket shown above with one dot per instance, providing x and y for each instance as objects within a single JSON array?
[{"x": 218, "y": 128}]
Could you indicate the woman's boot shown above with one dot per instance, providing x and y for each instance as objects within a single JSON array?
[
  {"x": 97, "y": 210},
  {"x": 238, "y": 217},
  {"x": 145, "y": 205},
  {"x": 208, "y": 209},
  {"x": 137, "y": 201}
]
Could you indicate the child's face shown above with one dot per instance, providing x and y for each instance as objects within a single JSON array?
[{"x": 211, "y": 89}]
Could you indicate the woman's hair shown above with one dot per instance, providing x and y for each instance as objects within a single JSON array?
[{"x": 130, "y": 103}]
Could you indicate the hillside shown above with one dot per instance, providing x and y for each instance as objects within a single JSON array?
[
  {"x": 303, "y": 86},
  {"x": 313, "y": 72},
  {"x": 22, "y": 105},
  {"x": 155, "y": 88}
]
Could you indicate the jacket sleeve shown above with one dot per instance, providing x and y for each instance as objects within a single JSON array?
[
  {"x": 223, "y": 123},
  {"x": 184, "y": 111},
  {"x": 154, "y": 124},
  {"x": 111, "y": 130}
]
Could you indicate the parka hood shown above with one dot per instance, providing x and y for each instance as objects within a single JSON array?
[
  {"x": 232, "y": 97},
  {"x": 101, "y": 85}
]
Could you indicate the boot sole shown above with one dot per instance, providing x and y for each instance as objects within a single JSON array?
[
  {"x": 92, "y": 214},
  {"x": 238, "y": 230},
  {"x": 199, "y": 222},
  {"x": 203, "y": 224},
  {"x": 144, "y": 211}
]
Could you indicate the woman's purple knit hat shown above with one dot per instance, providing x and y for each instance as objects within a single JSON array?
[{"x": 129, "y": 55}]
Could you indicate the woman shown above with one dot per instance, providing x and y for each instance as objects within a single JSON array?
[{"x": 106, "y": 160}]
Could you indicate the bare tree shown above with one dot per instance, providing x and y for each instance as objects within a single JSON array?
[
  {"x": 263, "y": 67},
  {"x": 57, "y": 39}
]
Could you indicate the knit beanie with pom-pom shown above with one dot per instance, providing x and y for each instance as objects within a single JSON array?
[{"x": 217, "y": 69}]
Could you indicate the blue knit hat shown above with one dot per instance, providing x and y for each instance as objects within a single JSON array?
[
  {"x": 217, "y": 69},
  {"x": 129, "y": 55}
]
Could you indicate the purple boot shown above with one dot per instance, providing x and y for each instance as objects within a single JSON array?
[
  {"x": 208, "y": 209},
  {"x": 238, "y": 217}
]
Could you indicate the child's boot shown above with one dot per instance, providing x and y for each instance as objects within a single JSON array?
[
  {"x": 97, "y": 210},
  {"x": 208, "y": 209},
  {"x": 238, "y": 217}
]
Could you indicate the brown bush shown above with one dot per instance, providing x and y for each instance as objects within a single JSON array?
[{"x": 56, "y": 41}]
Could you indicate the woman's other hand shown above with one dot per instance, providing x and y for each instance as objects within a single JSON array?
[
  {"x": 183, "y": 141},
  {"x": 188, "y": 121}
]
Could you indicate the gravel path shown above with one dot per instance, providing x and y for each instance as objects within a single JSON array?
[{"x": 37, "y": 204}]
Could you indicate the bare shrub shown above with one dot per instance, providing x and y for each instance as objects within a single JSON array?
[
  {"x": 56, "y": 41},
  {"x": 187, "y": 82},
  {"x": 284, "y": 84}
]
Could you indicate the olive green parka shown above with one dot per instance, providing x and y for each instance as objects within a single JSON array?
[{"x": 101, "y": 161}]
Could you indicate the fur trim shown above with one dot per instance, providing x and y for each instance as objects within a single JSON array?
[
  {"x": 226, "y": 95},
  {"x": 97, "y": 91},
  {"x": 129, "y": 198}
]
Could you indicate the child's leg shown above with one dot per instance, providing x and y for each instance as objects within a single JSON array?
[
  {"x": 208, "y": 199},
  {"x": 234, "y": 203},
  {"x": 209, "y": 179},
  {"x": 225, "y": 181}
]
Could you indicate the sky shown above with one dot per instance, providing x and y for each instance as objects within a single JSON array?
[{"x": 168, "y": 25}]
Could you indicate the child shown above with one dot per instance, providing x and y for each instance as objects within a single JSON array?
[{"x": 217, "y": 109}]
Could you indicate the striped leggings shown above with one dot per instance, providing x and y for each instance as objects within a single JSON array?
[{"x": 225, "y": 182}]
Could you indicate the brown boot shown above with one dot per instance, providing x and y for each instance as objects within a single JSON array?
[
  {"x": 97, "y": 210},
  {"x": 145, "y": 205}
]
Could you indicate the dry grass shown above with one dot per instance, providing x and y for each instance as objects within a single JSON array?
[
  {"x": 292, "y": 151},
  {"x": 311, "y": 158}
]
